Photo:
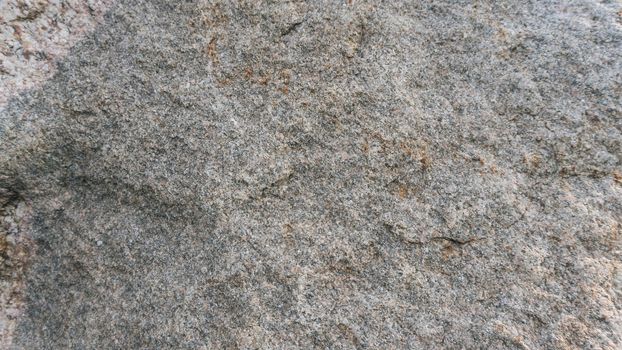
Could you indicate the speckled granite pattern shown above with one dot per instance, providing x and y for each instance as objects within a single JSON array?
[
  {"x": 36, "y": 34},
  {"x": 323, "y": 174}
]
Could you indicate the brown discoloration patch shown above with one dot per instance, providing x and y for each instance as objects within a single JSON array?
[
  {"x": 263, "y": 80},
  {"x": 448, "y": 251},
  {"x": 248, "y": 73},
  {"x": 288, "y": 233},
  {"x": 402, "y": 191},
  {"x": 407, "y": 149},
  {"x": 285, "y": 78},
  {"x": 211, "y": 50},
  {"x": 223, "y": 82},
  {"x": 425, "y": 160},
  {"x": 417, "y": 152},
  {"x": 494, "y": 169},
  {"x": 349, "y": 334},
  {"x": 533, "y": 161},
  {"x": 365, "y": 147}
]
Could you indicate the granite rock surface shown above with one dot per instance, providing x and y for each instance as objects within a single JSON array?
[
  {"x": 36, "y": 34},
  {"x": 319, "y": 174}
]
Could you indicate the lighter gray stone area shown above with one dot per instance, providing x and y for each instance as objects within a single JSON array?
[
  {"x": 36, "y": 34},
  {"x": 322, "y": 174}
]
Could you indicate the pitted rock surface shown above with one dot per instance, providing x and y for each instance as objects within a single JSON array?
[{"x": 322, "y": 174}]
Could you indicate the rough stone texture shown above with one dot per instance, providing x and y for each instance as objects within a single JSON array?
[
  {"x": 324, "y": 174},
  {"x": 35, "y": 34},
  {"x": 15, "y": 250}
]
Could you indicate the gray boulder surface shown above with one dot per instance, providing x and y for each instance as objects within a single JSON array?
[{"x": 319, "y": 174}]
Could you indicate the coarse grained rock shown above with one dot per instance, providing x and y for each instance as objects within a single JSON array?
[
  {"x": 321, "y": 174},
  {"x": 36, "y": 34}
]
